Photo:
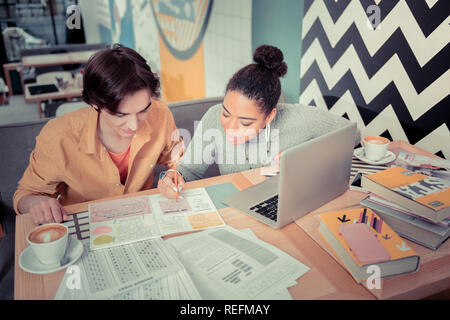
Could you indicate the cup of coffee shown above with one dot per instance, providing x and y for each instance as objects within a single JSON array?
[
  {"x": 375, "y": 147},
  {"x": 79, "y": 80},
  {"x": 48, "y": 242}
]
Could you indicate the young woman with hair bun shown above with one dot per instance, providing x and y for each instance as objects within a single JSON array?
[{"x": 251, "y": 127}]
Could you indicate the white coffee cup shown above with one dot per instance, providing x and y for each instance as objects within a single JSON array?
[
  {"x": 375, "y": 147},
  {"x": 48, "y": 242}
]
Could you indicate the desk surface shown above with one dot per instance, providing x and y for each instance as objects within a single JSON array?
[
  {"x": 72, "y": 91},
  {"x": 56, "y": 59},
  {"x": 327, "y": 279}
]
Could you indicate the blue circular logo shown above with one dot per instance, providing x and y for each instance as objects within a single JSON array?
[{"x": 182, "y": 24}]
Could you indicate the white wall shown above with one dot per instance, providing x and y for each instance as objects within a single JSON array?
[
  {"x": 90, "y": 20},
  {"x": 227, "y": 43},
  {"x": 146, "y": 33}
]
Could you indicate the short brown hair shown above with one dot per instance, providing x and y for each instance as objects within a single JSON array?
[{"x": 113, "y": 73}]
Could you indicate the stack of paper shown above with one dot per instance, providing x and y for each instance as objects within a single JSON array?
[
  {"x": 147, "y": 269},
  {"x": 229, "y": 264},
  {"x": 176, "y": 286},
  {"x": 217, "y": 263}
]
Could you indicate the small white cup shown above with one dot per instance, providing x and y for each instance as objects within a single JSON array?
[
  {"x": 79, "y": 80},
  {"x": 48, "y": 242},
  {"x": 375, "y": 147}
]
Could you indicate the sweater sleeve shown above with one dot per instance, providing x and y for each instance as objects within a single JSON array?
[{"x": 200, "y": 152}]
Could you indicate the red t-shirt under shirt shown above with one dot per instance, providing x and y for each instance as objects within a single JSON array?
[{"x": 121, "y": 161}]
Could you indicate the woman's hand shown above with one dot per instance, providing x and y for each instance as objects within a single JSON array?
[
  {"x": 277, "y": 157},
  {"x": 166, "y": 184},
  {"x": 44, "y": 209},
  {"x": 276, "y": 160}
]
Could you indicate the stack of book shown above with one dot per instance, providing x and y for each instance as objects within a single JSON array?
[
  {"x": 363, "y": 242},
  {"x": 416, "y": 206}
]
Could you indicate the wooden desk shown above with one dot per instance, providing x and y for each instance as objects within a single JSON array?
[
  {"x": 327, "y": 279},
  {"x": 73, "y": 90}
]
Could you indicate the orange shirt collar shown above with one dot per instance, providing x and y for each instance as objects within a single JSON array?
[{"x": 89, "y": 140}]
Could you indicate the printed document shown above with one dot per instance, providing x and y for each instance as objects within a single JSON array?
[
  {"x": 228, "y": 264},
  {"x": 177, "y": 286},
  {"x": 110, "y": 272},
  {"x": 121, "y": 221},
  {"x": 422, "y": 161}
]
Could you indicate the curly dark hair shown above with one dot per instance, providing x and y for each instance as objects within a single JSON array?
[
  {"x": 113, "y": 73},
  {"x": 260, "y": 81}
]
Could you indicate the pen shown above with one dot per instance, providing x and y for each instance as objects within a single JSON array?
[{"x": 176, "y": 180}]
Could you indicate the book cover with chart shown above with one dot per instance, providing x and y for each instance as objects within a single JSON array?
[
  {"x": 121, "y": 221},
  {"x": 426, "y": 196},
  {"x": 194, "y": 210},
  {"x": 360, "y": 238}
]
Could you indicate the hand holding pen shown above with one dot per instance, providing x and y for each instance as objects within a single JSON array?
[{"x": 170, "y": 184}]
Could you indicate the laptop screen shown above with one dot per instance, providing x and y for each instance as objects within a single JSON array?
[{"x": 41, "y": 89}]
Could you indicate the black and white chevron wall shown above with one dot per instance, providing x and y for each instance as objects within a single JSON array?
[{"x": 393, "y": 79}]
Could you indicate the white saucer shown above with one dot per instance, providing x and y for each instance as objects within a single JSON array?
[
  {"x": 360, "y": 154},
  {"x": 29, "y": 263}
]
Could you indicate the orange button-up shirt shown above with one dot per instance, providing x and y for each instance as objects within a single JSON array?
[{"x": 69, "y": 159}]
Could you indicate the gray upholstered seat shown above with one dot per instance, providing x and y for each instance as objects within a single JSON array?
[{"x": 16, "y": 143}]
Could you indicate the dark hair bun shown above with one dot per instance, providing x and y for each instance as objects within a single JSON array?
[{"x": 270, "y": 58}]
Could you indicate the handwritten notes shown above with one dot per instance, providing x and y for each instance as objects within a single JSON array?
[
  {"x": 194, "y": 210},
  {"x": 123, "y": 221}
]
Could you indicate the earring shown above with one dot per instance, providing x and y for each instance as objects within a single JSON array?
[{"x": 268, "y": 132}]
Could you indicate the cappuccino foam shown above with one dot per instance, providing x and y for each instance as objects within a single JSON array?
[
  {"x": 374, "y": 141},
  {"x": 47, "y": 234}
]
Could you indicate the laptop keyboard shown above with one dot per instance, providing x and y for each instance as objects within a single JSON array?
[{"x": 267, "y": 208}]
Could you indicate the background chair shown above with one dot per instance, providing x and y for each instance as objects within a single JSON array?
[
  {"x": 185, "y": 113},
  {"x": 16, "y": 142},
  {"x": 69, "y": 107}
]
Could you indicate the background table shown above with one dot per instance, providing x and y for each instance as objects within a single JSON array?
[{"x": 73, "y": 90}]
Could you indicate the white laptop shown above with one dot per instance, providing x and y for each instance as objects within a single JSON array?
[{"x": 311, "y": 174}]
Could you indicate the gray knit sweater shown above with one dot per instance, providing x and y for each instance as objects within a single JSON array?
[{"x": 292, "y": 125}]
